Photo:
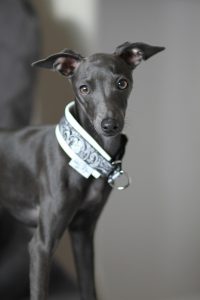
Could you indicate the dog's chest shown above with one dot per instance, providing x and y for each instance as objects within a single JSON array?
[{"x": 96, "y": 193}]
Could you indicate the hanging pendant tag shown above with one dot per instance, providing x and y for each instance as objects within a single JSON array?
[{"x": 119, "y": 179}]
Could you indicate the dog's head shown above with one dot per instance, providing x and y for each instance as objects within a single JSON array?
[{"x": 102, "y": 82}]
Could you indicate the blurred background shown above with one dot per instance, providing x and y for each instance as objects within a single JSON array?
[{"x": 148, "y": 237}]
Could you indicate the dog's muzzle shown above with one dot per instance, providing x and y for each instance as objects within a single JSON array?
[{"x": 110, "y": 126}]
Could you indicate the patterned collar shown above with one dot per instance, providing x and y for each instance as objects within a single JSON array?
[{"x": 88, "y": 158}]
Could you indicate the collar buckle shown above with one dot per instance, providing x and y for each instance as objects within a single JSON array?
[{"x": 119, "y": 174}]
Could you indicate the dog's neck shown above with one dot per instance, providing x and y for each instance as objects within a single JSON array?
[{"x": 110, "y": 144}]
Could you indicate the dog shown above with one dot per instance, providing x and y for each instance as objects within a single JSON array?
[{"x": 53, "y": 178}]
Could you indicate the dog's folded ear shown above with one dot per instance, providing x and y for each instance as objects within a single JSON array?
[
  {"x": 64, "y": 62},
  {"x": 134, "y": 53}
]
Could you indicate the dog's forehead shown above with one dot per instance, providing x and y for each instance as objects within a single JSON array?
[
  {"x": 109, "y": 62},
  {"x": 102, "y": 58}
]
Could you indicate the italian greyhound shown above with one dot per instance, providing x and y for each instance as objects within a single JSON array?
[{"x": 49, "y": 190}]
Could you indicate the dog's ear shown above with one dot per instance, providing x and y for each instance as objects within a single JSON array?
[
  {"x": 64, "y": 62},
  {"x": 134, "y": 53}
]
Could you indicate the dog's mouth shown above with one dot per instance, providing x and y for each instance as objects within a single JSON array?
[{"x": 111, "y": 133}]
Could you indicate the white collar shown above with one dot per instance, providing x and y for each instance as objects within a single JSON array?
[
  {"x": 84, "y": 133},
  {"x": 87, "y": 156}
]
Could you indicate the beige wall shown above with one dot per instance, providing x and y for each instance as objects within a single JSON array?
[{"x": 148, "y": 240}]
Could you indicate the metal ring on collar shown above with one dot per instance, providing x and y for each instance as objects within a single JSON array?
[{"x": 118, "y": 172}]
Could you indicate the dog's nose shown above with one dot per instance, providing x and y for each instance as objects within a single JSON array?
[{"x": 110, "y": 126}]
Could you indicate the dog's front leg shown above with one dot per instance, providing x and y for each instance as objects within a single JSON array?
[
  {"x": 81, "y": 231},
  {"x": 53, "y": 220},
  {"x": 82, "y": 241},
  {"x": 40, "y": 254}
]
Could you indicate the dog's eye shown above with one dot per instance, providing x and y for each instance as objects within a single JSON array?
[
  {"x": 84, "y": 89},
  {"x": 122, "y": 84}
]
